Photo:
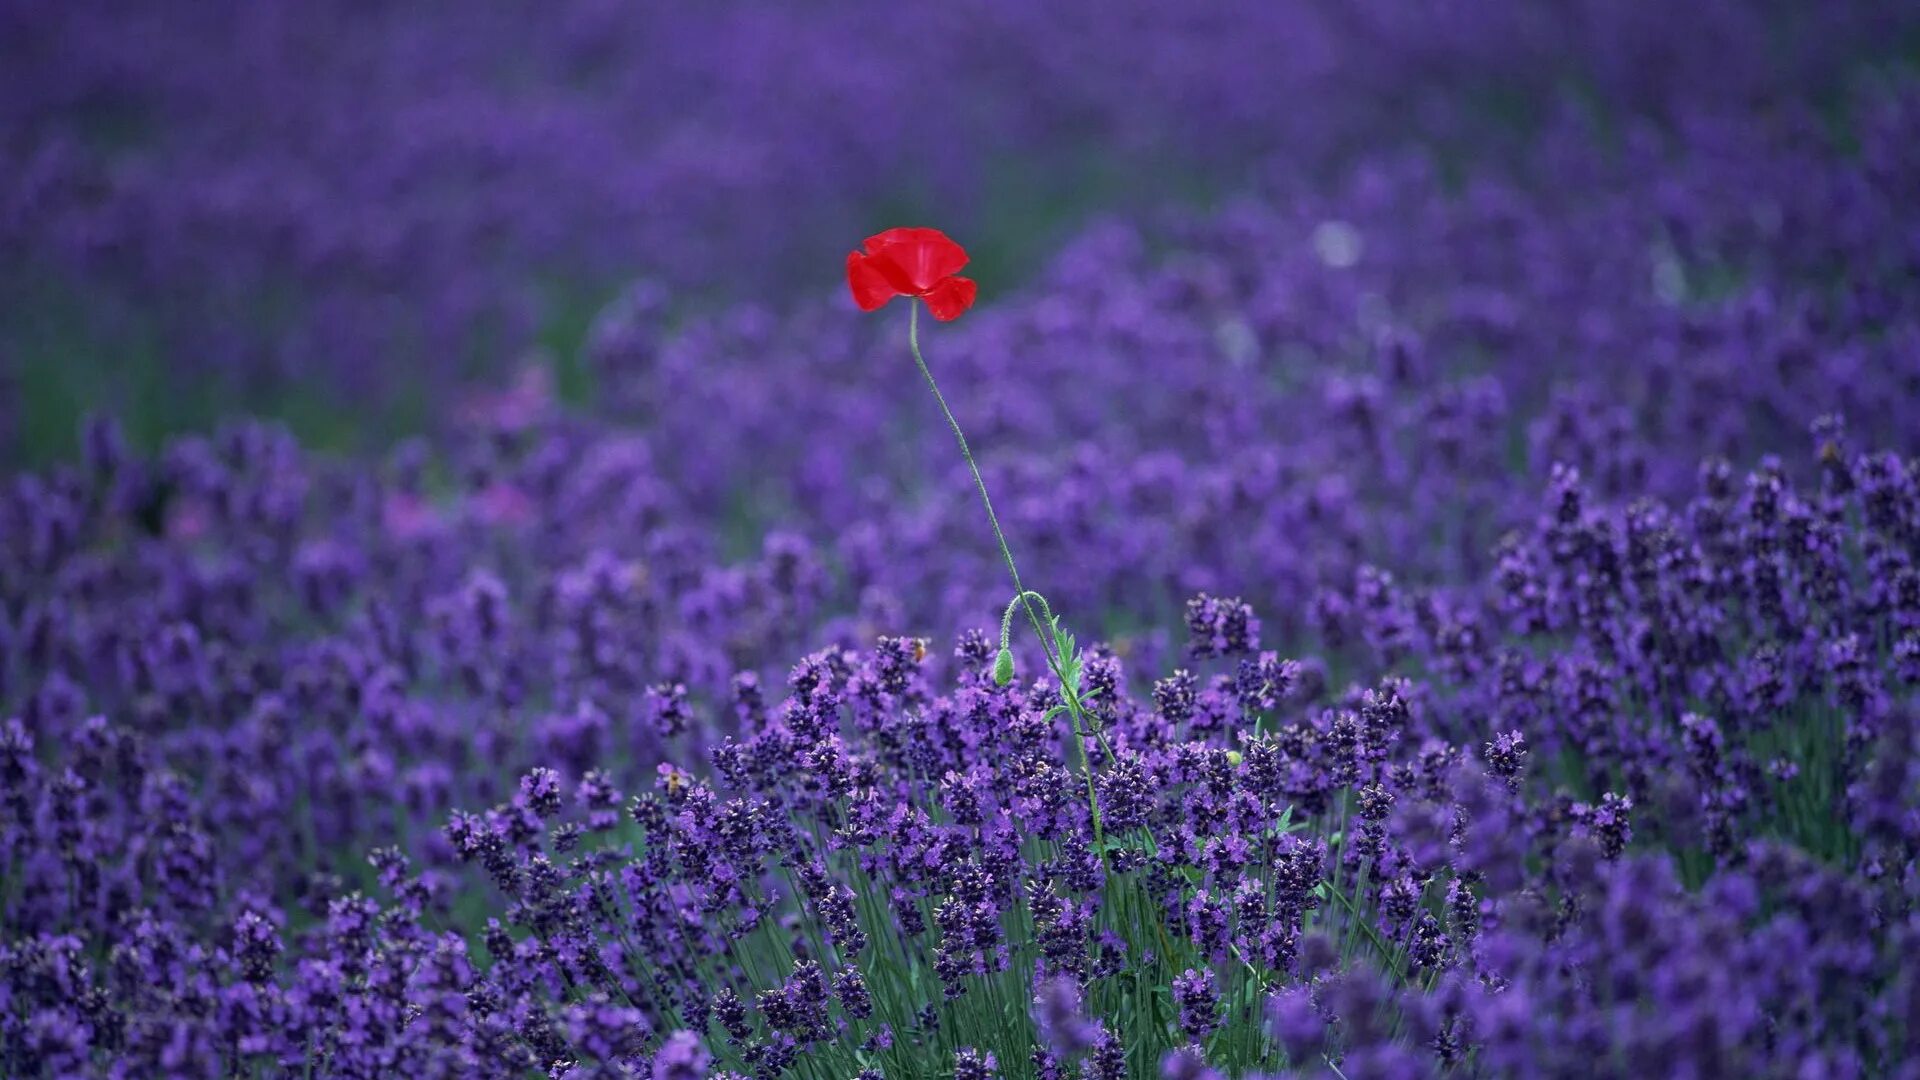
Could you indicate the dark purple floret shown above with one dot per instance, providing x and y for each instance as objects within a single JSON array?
[
  {"x": 256, "y": 946},
  {"x": 1196, "y": 994},
  {"x": 731, "y": 1014},
  {"x": 1506, "y": 755},
  {"x": 1108, "y": 1061},
  {"x": 850, "y": 989},
  {"x": 1220, "y": 627},
  {"x": 1173, "y": 697},
  {"x": 540, "y": 792},
  {"x": 971, "y": 1064}
]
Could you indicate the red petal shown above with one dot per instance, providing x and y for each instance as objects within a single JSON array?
[
  {"x": 869, "y": 285},
  {"x": 951, "y": 298},
  {"x": 893, "y": 274},
  {"x": 922, "y": 256}
]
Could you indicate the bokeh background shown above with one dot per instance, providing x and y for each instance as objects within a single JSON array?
[{"x": 337, "y": 214}]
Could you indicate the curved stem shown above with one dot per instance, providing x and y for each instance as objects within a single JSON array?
[
  {"x": 1054, "y": 661},
  {"x": 1006, "y": 553},
  {"x": 1006, "y": 620}
]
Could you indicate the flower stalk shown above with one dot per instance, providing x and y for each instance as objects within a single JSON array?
[{"x": 1055, "y": 645}]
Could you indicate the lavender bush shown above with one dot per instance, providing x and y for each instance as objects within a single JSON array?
[{"x": 1496, "y": 578}]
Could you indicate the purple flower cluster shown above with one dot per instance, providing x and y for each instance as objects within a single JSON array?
[
  {"x": 1507, "y": 585},
  {"x": 867, "y": 871}
]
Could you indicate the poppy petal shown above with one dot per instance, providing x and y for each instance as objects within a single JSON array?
[
  {"x": 869, "y": 285},
  {"x": 897, "y": 279},
  {"x": 923, "y": 256},
  {"x": 951, "y": 298}
]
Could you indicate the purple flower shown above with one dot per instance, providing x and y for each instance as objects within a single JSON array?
[
  {"x": 1221, "y": 627},
  {"x": 970, "y": 1064},
  {"x": 1196, "y": 994},
  {"x": 1059, "y": 1016},
  {"x": 681, "y": 1057}
]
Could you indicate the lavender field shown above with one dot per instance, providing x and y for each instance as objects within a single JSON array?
[{"x": 479, "y": 597}]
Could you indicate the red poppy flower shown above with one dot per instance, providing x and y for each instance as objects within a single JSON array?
[{"x": 911, "y": 262}]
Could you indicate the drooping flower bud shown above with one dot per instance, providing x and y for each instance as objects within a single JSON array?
[{"x": 1003, "y": 667}]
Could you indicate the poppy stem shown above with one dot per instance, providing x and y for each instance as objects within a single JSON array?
[
  {"x": 1022, "y": 595},
  {"x": 1006, "y": 620}
]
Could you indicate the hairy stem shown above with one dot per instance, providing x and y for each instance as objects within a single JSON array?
[{"x": 1023, "y": 597}]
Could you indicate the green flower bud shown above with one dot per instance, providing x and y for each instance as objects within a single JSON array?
[{"x": 1003, "y": 667}]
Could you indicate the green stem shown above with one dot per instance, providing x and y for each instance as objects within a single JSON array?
[
  {"x": 1356, "y": 917},
  {"x": 1022, "y": 595},
  {"x": 1006, "y": 618}
]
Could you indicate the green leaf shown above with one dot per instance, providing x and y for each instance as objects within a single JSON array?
[{"x": 1141, "y": 843}]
